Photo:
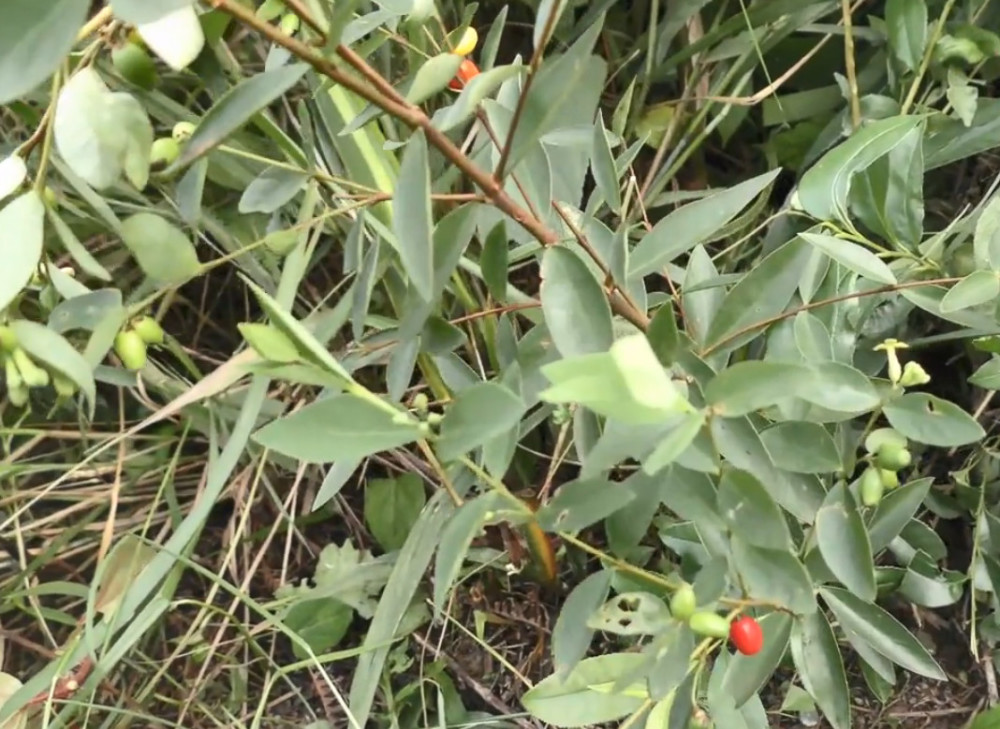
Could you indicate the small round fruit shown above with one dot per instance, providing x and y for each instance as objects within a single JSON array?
[
  {"x": 893, "y": 458},
  {"x": 135, "y": 65},
  {"x": 49, "y": 197},
  {"x": 467, "y": 71},
  {"x": 149, "y": 329},
  {"x": 8, "y": 340},
  {"x": 890, "y": 479},
  {"x": 712, "y": 625},
  {"x": 31, "y": 373},
  {"x": 164, "y": 152},
  {"x": 746, "y": 635},
  {"x": 467, "y": 43},
  {"x": 871, "y": 487},
  {"x": 683, "y": 603},
  {"x": 289, "y": 23},
  {"x": 65, "y": 388},
  {"x": 131, "y": 350},
  {"x": 182, "y": 130}
]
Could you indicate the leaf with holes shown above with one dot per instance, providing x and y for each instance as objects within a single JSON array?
[{"x": 929, "y": 419}]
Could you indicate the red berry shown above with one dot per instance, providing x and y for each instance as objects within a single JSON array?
[
  {"x": 746, "y": 635},
  {"x": 466, "y": 72}
]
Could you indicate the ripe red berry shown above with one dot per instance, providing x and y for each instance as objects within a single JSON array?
[
  {"x": 746, "y": 635},
  {"x": 466, "y": 72}
]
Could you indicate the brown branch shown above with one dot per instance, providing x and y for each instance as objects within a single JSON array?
[
  {"x": 536, "y": 61},
  {"x": 413, "y": 116},
  {"x": 764, "y": 323}
]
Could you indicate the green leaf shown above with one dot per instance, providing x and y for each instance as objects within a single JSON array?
[
  {"x": 762, "y": 293},
  {"x": 163, "y": 252},
  {"x": 136, "y": 12},
  {"x": 34, "y": 40},
  {"x": 979, "y": 287},
  {"x": 22, "y": 234},
  {"x": 602, "y": 163},
  {"x": 882, "y": 632},
  {"x": 414, "y": 226},
  {"x": 841, "y": 388},
  {"x": 676, "y": 441},
  {"x": 580, "y": 503},
  {"x": 989, "y": 719},
  {"x": 571, "y": 637},
  {"x": 750, "y": 511},
  {"x": 821, "y": 667},
  {"x": 754, "y": 385},
  {"x": 335, "y": 428},
  {"x": 663, "y": 334},
  {"x": 746, "y": 675},
  {"x": 906, "y": 22},
  {"x": 631, "y": 613},
  {"x": 477, "y": 415},
  {"x": 895, "y": 511},
  {"x": 852, "y": 256},
  {"x": 494, "y": 261},
  {"x": 575, "y": 307},
  {"x": 773, "y": 575},
  {"x": 235, "y": 108},
  {"x": 555, "y": 89},
  {"x": 101, "y": 134},
  {"x": 583, "y": 699},
  {"x": 691, "y": 224},
  {"x": 408, "y": 573},
  {"x": 455, "y": 540},
  {"x": 271, "y": 190},
  {"x": 931, "y": 420},
  {"x": 52, "y": 349},
  {"x": 843, "y": 542},
  {"x": 626, "y": 383},
  {"x": 320, "y": 622},
  {"x": 433, "y": 76},
  {"x": 392, "y": 507},
  {"x": 801, "y": 447},
  {"x": 824, "y": 188},
  {"x": 473, "y": 94},
  {"x": 298, "y": 333},
  {"x": 988, "y": 375}
]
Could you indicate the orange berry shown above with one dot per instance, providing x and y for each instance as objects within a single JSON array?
[{"x": 466, "y": 72}]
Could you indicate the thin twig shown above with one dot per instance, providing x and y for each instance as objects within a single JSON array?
[
  {"x": 852, "y": 72},
  {"x": 415, "y": 117},
  {"x": 536, "y": 61}
]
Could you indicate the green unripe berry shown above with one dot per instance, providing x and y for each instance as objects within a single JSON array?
[
  {"x": 149, "y": 329},
  {"x": 8, "y": 340},
  {"x": 31, "y": 373},
  {"x": 289, "y": 23},
  {"x": 708, "y": 624},
  {"x": 135, "y": 65},
  {"x": 683, "y": 603},
  {"x": 871, "y": 487},
  {"x": 163, "y": 153},
  {"x": 18, "y": 395},
  {"x": 421, "y": 402},
  {"x": 892, "y": 457},
  {"x": 182, "y": 130},
  {"x": 890, "y": 479},
  {"x": 64, "y": 387},
  {"x": 131, "y": 350},
  {"x": 49, "y": 197}
]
